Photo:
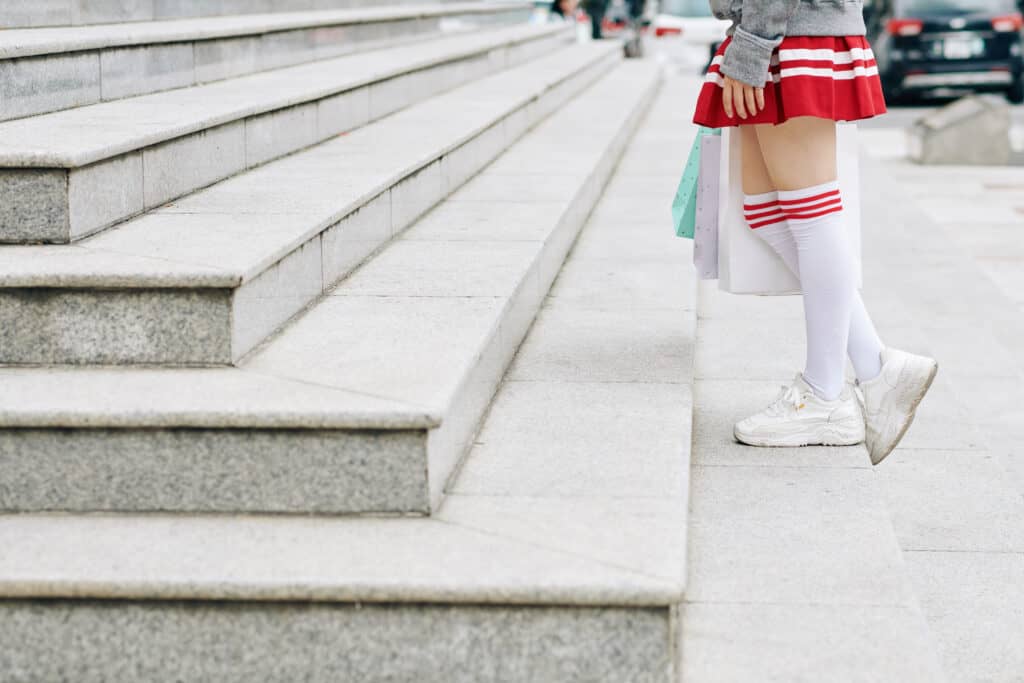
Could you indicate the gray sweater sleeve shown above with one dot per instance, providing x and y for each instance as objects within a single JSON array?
[{"x": 761, "y": 29}]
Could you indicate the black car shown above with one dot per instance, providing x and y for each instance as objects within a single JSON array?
[{"x": 942, "y": 47}]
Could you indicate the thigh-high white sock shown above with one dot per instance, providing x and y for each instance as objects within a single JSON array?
[{"x": 864, "y": 346}]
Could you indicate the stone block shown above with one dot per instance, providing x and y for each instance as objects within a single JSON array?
[
  {"x": 346, "y": 243},
  {"x": 466, "y": 160},
  {"x": 281, "y": 132},
  {"x": 412, "y": 196},
  {"x": 263, "y": 304},
  {"x": 223, "y": 58},
  {"x": 971, "y": 130},
  {"x": 114, "y": 326},
  {"x": 428, "y": 643},
  {"x": 138, "y": 70},
  {"x": 104, "y": 193},
  {"x": 221, "y": 470},
  {"x": 30, "y": 13},
  {"x": 32, "y": 85},
  {"x": 177, "y": 167},
  {"x": 110, "y": 11},
  {"x": 342, "y": 113},
  {"x": 390, "y": 95},
  {"x": 33, "y": 205}
]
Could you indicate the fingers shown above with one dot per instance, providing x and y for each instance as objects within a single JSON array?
[
  {"x": 739, "y": 99},
  {"x": 748, "y": 98}
]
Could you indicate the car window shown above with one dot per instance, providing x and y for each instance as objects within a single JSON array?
[
  {"x": 686, "y": 8},
  {"x": 921, "y": 8}
]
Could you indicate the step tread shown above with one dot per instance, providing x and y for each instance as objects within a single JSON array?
[
  {"x": 196, "y": 241},
  {"x": 25, "y": 42},
  {"x": 405, "y": 327},
  {"x": 77, "y": 137},
  {"x": 450, "y": 558}
]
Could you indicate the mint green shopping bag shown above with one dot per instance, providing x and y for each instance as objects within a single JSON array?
[{"x": 684, "y": 206}]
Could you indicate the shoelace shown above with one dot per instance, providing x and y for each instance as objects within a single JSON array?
[{"x": 788, "y": 400}]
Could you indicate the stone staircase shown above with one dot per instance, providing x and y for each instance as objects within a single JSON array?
[{"x": 250, "y": 330}]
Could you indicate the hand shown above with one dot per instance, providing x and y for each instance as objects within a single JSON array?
[{"x": 747, "y": 99}]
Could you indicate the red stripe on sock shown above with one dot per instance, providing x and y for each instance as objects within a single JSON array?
[
  {"x": 750, "y": 207},
  {"x": 761, "y": 224},
  {"x": 814, "y": 207},
  {"x": 802, "y": 216}
]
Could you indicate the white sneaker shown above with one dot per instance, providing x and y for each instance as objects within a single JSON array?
[
  {"x": 798, "y": 417},
  {"x": 890, "y": 400}
]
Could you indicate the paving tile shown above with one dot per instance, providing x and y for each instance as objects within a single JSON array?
[
  {"x": 724, "y": 349},
  {"x": 640, "y": 534},
  {"x": 604, "y": 284},
  {"x": 430, "y": 268},
  {"x": 738, "y": 643},
  {"x": 413, "y": 347},
  {"x": 607, "y": 346},
  {"x": 473, "y": 221},
  {"x": 974, "y": 603},
  {"x": 774, "y": 534},
  {"x": 576, "y": 438},
  {"x": 953, "y": 500}
]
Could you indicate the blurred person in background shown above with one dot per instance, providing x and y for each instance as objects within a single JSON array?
[{"x": 596, "y": 9}]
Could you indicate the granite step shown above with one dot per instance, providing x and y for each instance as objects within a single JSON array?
[
  {"x": 69, "y": 174},
  {"x": 49, "y": 69},
  {"x": 523, "y": 582},
  {"x": 368, "y": 401},
  {"x": 35, "y": 13},
  {"x": 203, "y": 280}
]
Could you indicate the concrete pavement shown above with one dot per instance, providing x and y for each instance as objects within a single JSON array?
[{"x": 809, "y": 564}]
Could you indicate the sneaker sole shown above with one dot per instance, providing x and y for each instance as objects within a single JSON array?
[
  {"x": 911, "y": 414},
  {"x": 833, "y": 437}
]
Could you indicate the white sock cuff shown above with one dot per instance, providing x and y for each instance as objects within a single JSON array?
[
  {"x": 763, "y": 198},
  {"x": 811, "y": 203},
  {"x": 805, "y": 192}
]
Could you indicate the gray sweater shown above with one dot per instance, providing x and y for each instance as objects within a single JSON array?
[{"x": 758, "y": 26}]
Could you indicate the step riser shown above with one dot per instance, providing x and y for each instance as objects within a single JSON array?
[
  {"x": 46, "y": 83},
  {"x": 213, "y": 470},
  {"x": 125, "y": 326},
  {"x": 229, "y": 642},
  {"x": 34, "y": 13},
  {"x": 62, "y": 205}
]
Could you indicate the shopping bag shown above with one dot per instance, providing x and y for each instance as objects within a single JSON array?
[
  {"x": 684, "y": 205},
  {"x": 705, "y": 232},
  {"x": 746, "y": 264}
]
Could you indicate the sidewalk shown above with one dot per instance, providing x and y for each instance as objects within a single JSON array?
[
  {"x": 809, "y": 564},
  {"x": 953, "y": 256}
]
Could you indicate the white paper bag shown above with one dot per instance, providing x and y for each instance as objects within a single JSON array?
[
  {"x": 746, "y": 264},
  {"x": 705, "y": 230}
]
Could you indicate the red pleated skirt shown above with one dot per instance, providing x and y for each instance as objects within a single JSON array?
[{"x": 832, "y": 77}]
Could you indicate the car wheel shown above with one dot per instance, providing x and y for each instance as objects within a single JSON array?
[{"x": 1016, "y": 92}]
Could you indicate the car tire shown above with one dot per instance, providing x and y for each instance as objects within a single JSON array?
[{"x": 1016, "y": 92}]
